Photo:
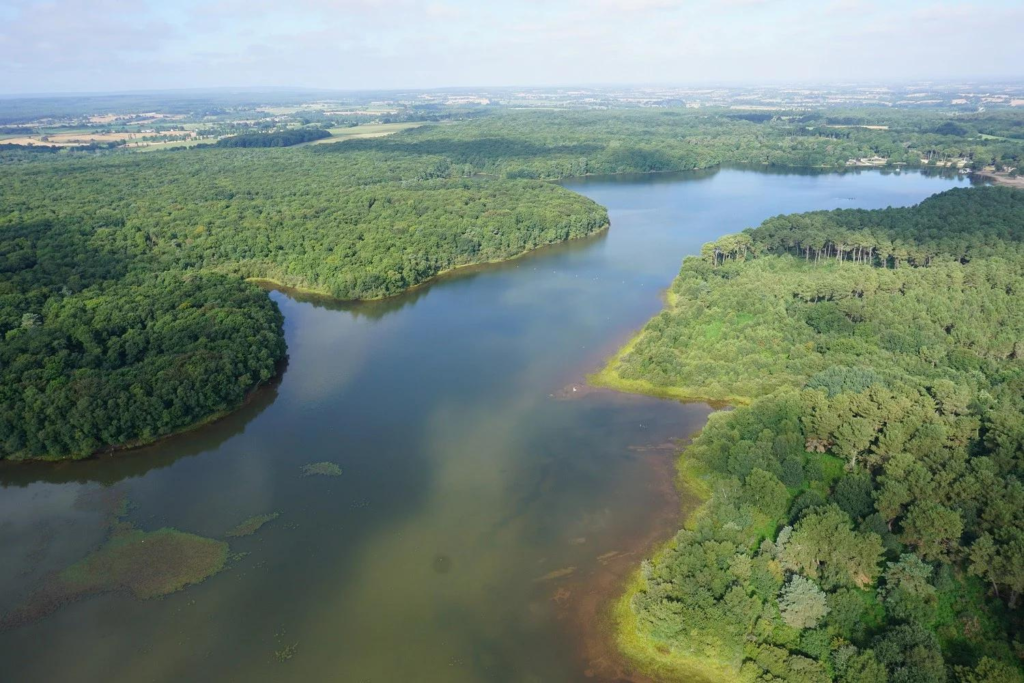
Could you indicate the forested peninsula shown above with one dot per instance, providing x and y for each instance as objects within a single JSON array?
[
  {"x": 864, "y": 513},
  {"x": 123, "y": 306},
  {"x": 88, "y": 232}
]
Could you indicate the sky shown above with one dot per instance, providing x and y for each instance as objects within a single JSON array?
[{"x": 118, "y": 45}]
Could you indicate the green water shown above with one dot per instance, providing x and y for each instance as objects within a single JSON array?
[{"x": 464, "y": 480}]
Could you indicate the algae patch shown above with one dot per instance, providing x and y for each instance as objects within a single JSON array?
[
  {"x": 148, "y": 564},
  {"x": 322, "y": 469},
  {"x": 287, "y": 652},
  {"x": 252, "y": 525}
]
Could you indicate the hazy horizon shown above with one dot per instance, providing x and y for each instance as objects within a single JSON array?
[{"x": 117, "y": 46}]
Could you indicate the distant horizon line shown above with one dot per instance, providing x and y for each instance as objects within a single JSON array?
[{"x": 241, "y": 89}]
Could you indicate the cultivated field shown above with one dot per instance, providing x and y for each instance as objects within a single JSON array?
[
  {"x": 369, "y": 130},
  {"x": 77, "y": 139}
]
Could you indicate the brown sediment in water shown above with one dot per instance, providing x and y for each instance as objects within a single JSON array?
[
  {"x": 557, "y": 574},
  {"x": 585, "y": 604}
]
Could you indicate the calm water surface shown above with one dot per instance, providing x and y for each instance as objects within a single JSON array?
[{"x": 465, "y": 483}]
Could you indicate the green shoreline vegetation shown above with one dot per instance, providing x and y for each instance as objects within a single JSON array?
[
  {"x": 453, "y": 270},
  {"x": 864, "y": 509},
  {"x": 123, "y": 311}
]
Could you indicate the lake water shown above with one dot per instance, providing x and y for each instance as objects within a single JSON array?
[{"x": 485, "y": 512}]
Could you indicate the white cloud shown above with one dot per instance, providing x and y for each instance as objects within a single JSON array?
[{"x": 117, "y": 44}]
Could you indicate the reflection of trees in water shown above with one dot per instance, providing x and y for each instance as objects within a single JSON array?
[
  {"x": 655, "y": 178},
  {"x": 707, "y": 173},
  {"x": 380, "y": 308},
  {"x": 112, "y": 468}
]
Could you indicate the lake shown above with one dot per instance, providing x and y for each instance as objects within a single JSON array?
[{"x": 488, "y": 504}]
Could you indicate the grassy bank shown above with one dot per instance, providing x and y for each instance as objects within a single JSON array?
[
  {"x": 651, "y": 657},
  {"x": 609, "y": 377}
]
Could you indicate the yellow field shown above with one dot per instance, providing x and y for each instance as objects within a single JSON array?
[
  {"x": 86, "y": 138},
  {"x": 369, "y": 130}
]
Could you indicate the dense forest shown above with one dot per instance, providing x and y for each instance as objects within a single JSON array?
[
  {"x": 357, "y": 226},
  {"x": 281, "y": 138},
  {"x": 360, "y": 219},
  {"x": 127, "y": 360},
  {"x": 864, "y": 518},
  {"x": 564, "y": 144}
]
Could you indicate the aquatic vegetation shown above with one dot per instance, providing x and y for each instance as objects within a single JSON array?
[
  {"x": 146, "y": 564},
  {"x": 557, "y": 574},
  {"x": 321, "y": 469},
  {"x": 149, "y": 564},
  {"x": 287, "y": 652},
  {"x": 252, "y": 525}
]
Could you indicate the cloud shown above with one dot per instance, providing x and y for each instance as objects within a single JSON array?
[
  {"x": 122, "y": 44},
  {"x": 638, "y": 5}
]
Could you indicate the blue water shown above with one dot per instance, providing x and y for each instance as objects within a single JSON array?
[{"x": 481, "y": 500}]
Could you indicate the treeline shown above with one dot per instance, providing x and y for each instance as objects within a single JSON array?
[
  {"x": 990, "y": 224},
  {"x": 281, "y": 138},
  {"x": 573, "y": 143},
  {"x": 865, "y": 519}
]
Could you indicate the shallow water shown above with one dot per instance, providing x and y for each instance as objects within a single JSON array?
[{"x": 475, "y": 506}]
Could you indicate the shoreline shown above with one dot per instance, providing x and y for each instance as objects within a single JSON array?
[
  {"x": 1001, "y": 179},
  {"x": 590, "y": 603},
  {"x": 631, "y": 659},
  {"x": 602, "y": 621},
  {"x": 110, "y": 451},
  {"x": 608, "y": 378},
  {"x": 432, "y": 280},
  {"x": 655, "y": 664}
]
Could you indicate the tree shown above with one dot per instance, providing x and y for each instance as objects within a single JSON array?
[
  {"x": 907, "y": 593},
  {"x": 853, "y": 494},
  {"x": 765, "y": 492},
  {"x": 1001, "y": 564},
  {"x": 854, "y": 666},
  {"x": 802, "y": 603},
  {"x": 911, "y": 655},
  {"x": 933, "y": 529},
  {"x": 824, "y": 546},
  {"x": 989, "y": 670}
]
